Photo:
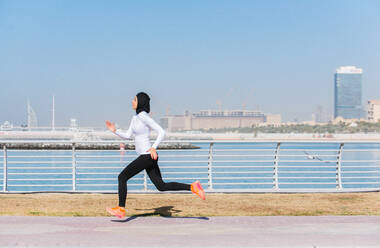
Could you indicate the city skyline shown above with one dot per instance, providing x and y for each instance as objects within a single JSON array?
[
  {"x": 319, "y": 116},
  {"x": 95, "y": 56}
]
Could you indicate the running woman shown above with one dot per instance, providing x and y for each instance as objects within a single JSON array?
[{"x": 140, "y": 127}]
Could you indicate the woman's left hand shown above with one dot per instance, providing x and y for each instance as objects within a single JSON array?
[{"x": 153, "y": 153}]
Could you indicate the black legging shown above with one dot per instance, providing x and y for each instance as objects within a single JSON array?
[{"x": 150, "y": 165}]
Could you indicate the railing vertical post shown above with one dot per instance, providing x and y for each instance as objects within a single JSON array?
[
  {"x": 145, "y": 181},
  {"x": 209, "y": 165},
  {"x": 74, "y": 169},
  {"x": 339, "y": 168},
  {"x": 275, "y": 169},
  {"x": 5, "y": 169}
]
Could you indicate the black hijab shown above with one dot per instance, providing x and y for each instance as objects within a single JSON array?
[{"x": 142, "y": 102}]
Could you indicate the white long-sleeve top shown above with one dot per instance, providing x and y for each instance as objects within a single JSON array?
[{"x": 140, "y": 127}]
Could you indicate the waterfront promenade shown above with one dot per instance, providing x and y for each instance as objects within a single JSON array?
[{"x": 139, "y": 231}]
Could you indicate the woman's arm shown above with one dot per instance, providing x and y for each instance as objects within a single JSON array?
[
  {"x": 153, "y": 125},
  {"x": 124, "y": 135}
]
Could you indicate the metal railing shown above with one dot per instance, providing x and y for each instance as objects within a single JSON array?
[{"x": 221, "y": 166}]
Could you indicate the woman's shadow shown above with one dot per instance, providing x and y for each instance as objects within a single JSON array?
[{"x": 165, "y": 212}]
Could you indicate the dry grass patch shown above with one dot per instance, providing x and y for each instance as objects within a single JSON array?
[{"x": 61, "y": 204}]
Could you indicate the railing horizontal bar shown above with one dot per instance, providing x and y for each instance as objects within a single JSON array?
[
  {"x": 360, "y": 161},
  {"x": 361, "y": 166},
  {"x": 243, "y": 183},
  {"x": 181, "y": 161},
  {"x": 106, "y": 179},
  {"x": 36, "y": 179},
  {"x": 113, "y": 184},
  {"x": 305, "y": 155},
  {"x": 242, "y": 172},
  {"x": 361, "y": 182},
  {"x": 361, "y": 150},
  {"x": 308, "y": 150},
  {"x": 39, "y": 162},
  {"x": 306, "y": 166},
  {"x": 161, "y": 167},
  {"x": 98, "y": 173},
  {"x": 134, "y": 156},
  {"x": 242, "y": 166},
  {"x": 334, "y": 183},
  {"x": 187, "y": 167},
  {"x": 123, "y": 162},
  {"x": 244, "y": 150},
  {"x": 190, "y": 172},
  {"x": 182, "y": 150},
  {"x": 99, "y": 167},
  {"x": 40, "y": 185},
  {"x": 102, "y": 162},
  {"x": 106, "y": 156},
  {"x": 307, "y": 177},
  {"x": 184, "y": 178},
  {"x": 358, "y": 177},
  {"x": 243, "y": 155},
  {"x": 243, "y": 161},
  {"x": 38, "y": 173},
  {"x": 127, "y": 151},
  {"x": 184, "y": 155},
  {"x": 117, "y": 173},
  {"x": 38, "y": 150},
  {"x": 360, "y": 172},
  {"x": 306, "y": 161},
  {"x": 271, "y": 161},
  {"x": 242, "y": 178},
  {"x": 37, "y": 168},
  {"x": 47, "y": 156},
  {"x": 306, "y": 172}
]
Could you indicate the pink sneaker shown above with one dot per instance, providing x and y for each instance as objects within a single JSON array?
[
  {"x": 117, "y": 211},
  {"x": 197, "y": 189}
]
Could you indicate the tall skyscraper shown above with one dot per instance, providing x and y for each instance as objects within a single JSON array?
[{"x": 348, "y": 93}]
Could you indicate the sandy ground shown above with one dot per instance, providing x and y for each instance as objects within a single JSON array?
[{"x": 189, "y": 205}]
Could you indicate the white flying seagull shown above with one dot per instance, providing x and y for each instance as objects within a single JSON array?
[{"x": 309, "y": 156}]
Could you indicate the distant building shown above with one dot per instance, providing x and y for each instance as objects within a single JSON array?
[
  {"x": 217, "y": 119},
  {"x": 7, "y": 126},
  {"x": 374, "y": 110},
  {"x": 320, "y": 116},
  {"x": 32, "y": 117},
  {"x": 348, "y": 93},
  {"x": 271, "y": 119},
  {"x": 73, "y": 125}
]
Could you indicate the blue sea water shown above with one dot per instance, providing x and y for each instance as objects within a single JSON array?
[{"x": 232, "y": 166}]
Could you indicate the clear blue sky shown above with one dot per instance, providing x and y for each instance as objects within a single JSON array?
[{"x": 279, "y": 56}]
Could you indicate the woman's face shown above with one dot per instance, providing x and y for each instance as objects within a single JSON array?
[{"x": 134, "y": 103}]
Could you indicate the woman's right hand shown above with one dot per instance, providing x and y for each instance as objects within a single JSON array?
[{"x": 111, "y": 126}]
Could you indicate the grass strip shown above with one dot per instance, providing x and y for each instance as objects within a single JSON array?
[{"x": 188, "y": 205}]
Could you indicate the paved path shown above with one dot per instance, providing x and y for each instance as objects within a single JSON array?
[{"x": 282, "y": 231}]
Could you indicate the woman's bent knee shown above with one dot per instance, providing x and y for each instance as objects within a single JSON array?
[
  {"x": 161, "y": 187},
  {"x": 121, "y": 177}
]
